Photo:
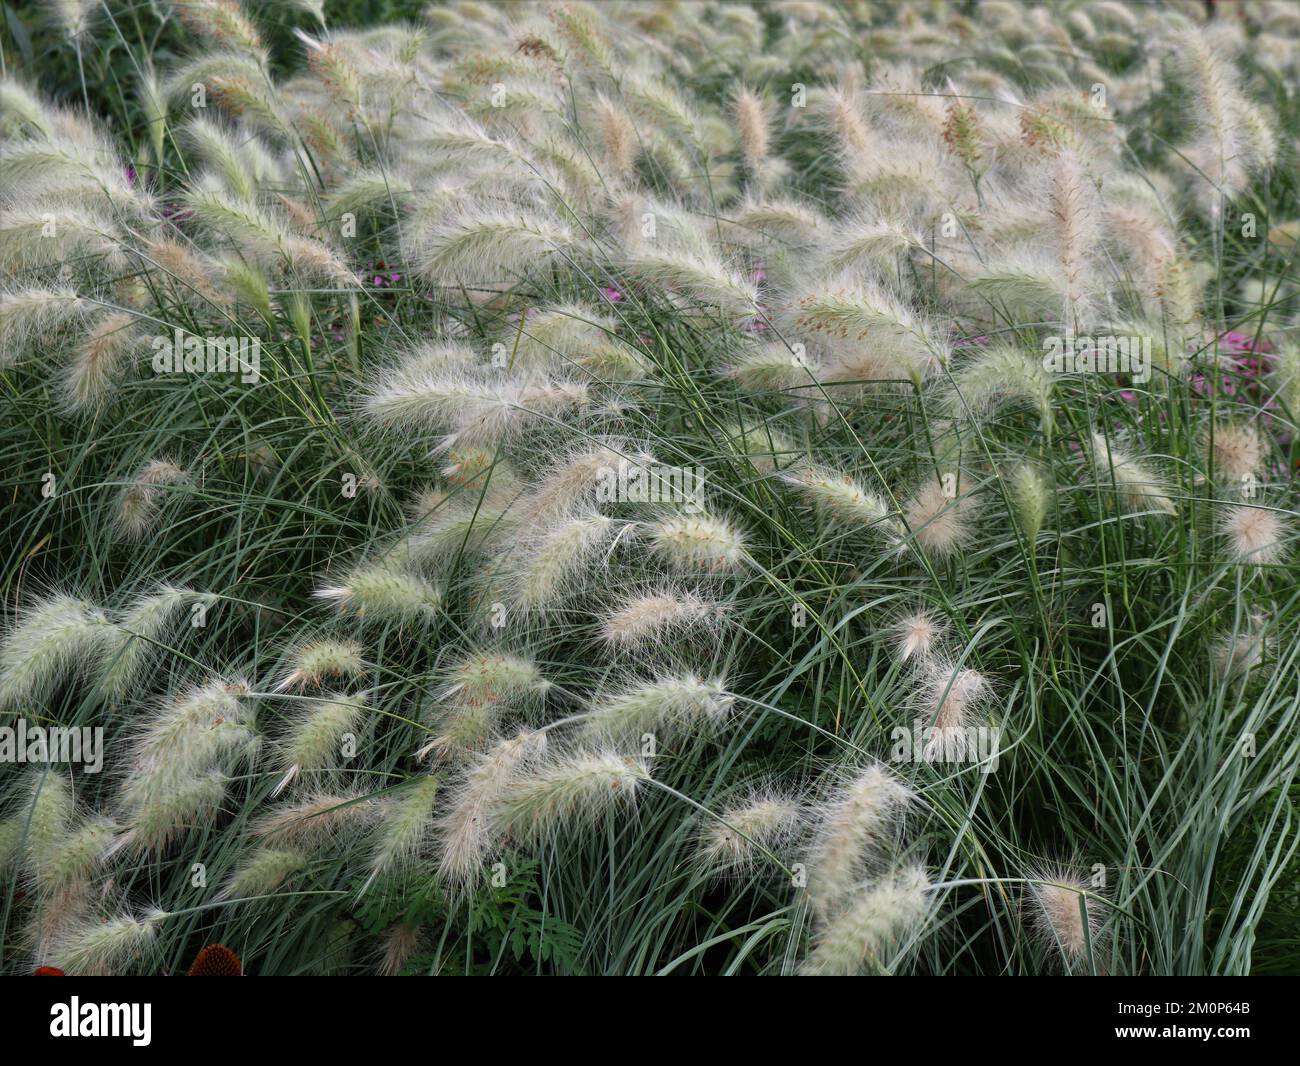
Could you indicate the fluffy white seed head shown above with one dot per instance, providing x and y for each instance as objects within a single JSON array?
[
  {"x": 466, "y": 830},
  {"x": 767, "y": 819},
  {"x": 1254, "y": 534},
  {"x": 683, "y": 702},
  {"x": 405, "y": 828},
  {"x": 699, "y": 542},
  {"x": 647, "y": 619},
  {"x": 384, "y": 592},
  {"x": 1058, "y": 901},
  {"x": 263, "y": 871},
  {"x": 113, "y": 946},
  {"x": 566, "y": 793},
  {"x": 139, "y": 503},
  {"x": 313, "y": 663},
  {"x": 851, "y": 825},
  {"x": 874, "y": 921},
  {"x": 940, "y": 515},
  {"x": 1139, "y": 488},
  {"x": 54, "y": 637},
  {"x": 917, "y": 635},
  {"x": 317, "y": 733}
]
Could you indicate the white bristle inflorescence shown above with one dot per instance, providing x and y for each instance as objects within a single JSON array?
[
  {"x": 645, "y": 620},
  {"x": 466, "y": 834},
  {"x": 567, "y": 792},
  {"x": 50, "y": 640},
  {"x": 665, "y": 705},
  {"x": 851, "y": 826},
  {"x": 744, "y": 833},
  {"x": 876, "y": 921}
]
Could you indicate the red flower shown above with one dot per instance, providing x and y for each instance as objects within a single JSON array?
[
  {"x": 48, "y": 971},
  {"x": 216, "y": 960}
]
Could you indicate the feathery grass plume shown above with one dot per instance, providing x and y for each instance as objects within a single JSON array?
[
  {"x": 131, "y": 648},
  {"x": 699, "y": 542},
  {"x": 870, "y": 243},
  {"x": 99, "y": 360},
  {"x": 844, "y": 499},
  {"x": 34, "y": 236},
  {"x": 398, "y": 946},
  {"x": 315, "y": 738},
  {"x": 577, "y": 478},
  {"x": 556, "y": 335},
  {"x": 1237, "y": 452},
  {"x": 94, "y": 947},
  {"x": 884, "y": 328},
  {"x": 949, "y": 701},
  {"x": 221, "y": 23},
  {"x": 1237, "y": 654},
  {"x": 879, "y": 916},
  {"x": 1284, "y": 377},
  {"x": 1031, "y": 497},
  {"x": 762, "y": 445},
  {"x": 667, "y": 705},
  {"x": 940, "y": 515},
  {"x": 29, "y": 314},
  {"x": 465, "y": 831},
  {"x": 468, "y": 466},
  {"x": 73, "y": 17},
  {"x": 317, "y": 661},
  {"x": 568, "y": 792},
  {"x": 997, "y": 376},
  {"x": 618, "y": 137},
  {"x": 71, "y": 860},
  {"x": 1254, "y": 534},
  {"x": 1075, "y": 212},
  {"x": 1233, "y": 137},
  {"x": 179, "y": 755},
  {"x": 1139, "y": 489},
  {"x": 851, "y": 825},
  {"x": 916, "y": 635},
  {"x": 697, "y": 274},
  {"x": 768, "y": 368},
  {"x": 263, "y": 871},
  {"x": 751, "y": 124},
  {"x": 490, "y": 246},
  {"x": 466, "y": 524},
  {"x": 316, "y": 819},
  {"x": 57, "y": 635},
  {"x": 39, "y": 817},
  {"x": 384, "y": 592},
  {"x": 539, "y": 572},
  {"x": 498, "y": 677},
  {"x": 1058, "y": 900},
  {"x": 52, "y": 915},
  {"x": 477, "y": 406},
  {"x": 241, "y": 170},
  {"x": 766, "y": 819},
  {"x": 160, "y": 808},
  {"x": 405, "y": 828},
  {"x": 963, "y": 133},
  {"x": 652, "y": 618},
  {"x": 139, "y": 503},
  {"x": 21, "y": 110},
  {"x": 854, "y": 140}
]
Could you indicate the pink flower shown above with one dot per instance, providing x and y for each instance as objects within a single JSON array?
[{"x": 611, "y": 294}]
